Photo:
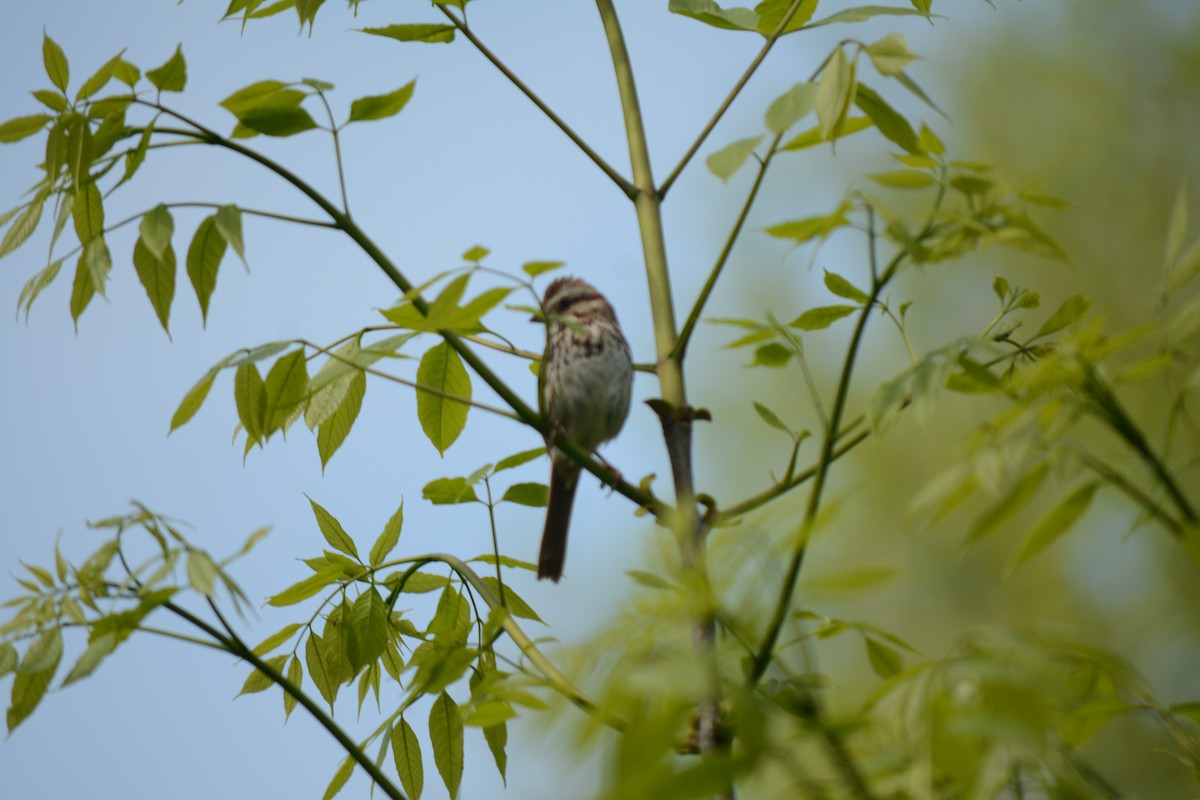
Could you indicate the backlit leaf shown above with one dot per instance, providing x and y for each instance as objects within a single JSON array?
[
  {"x": 817, "y": 318},
  {"x": 844, "y": 288},
  {"x": 446, "y": 734},
  {"x": 791, "y": 106},
  {"x": 333, "y": 531},
  {"x": 1058, "y": 522},
  {"x": 381, "y": 106},
  {"x": 388, "y": 538},
  {"x": 527, "y": 494},
  {"x": 339, "y": 779},
  {"x": 157, "y": 274},
  {"x": 334, "y": 430},
  {"x": 1071, "y": 311},
  {"x": 442, "y": 418},
  {"x": 889, "y": 121},
  {"x": 14, "y": 130},
  {"x": 729, "y": 159},
  {"x": 1013, "y": 501},
  {"x": 204, "y": 259},
  {"x": 57, "y": 70},
  {"x": 429, "y": 33},
  {"x": 406, "y": 751},
  {"x": 171, "y": 76}
]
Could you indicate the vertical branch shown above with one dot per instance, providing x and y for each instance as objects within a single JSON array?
[{"x": 673, "y": 411}]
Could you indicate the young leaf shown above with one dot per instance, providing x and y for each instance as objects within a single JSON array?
[
  {"x": 82, "y": 290},
  {"x": 30, "y": 685},
  {"x": 772, "y": 354},
  {"x": 535, "y": 268},
  {"x": 381, "y": 106},
  {"x": 88, "y": 213},
  {"x": 441, "y": 417},
  {"x": 171, "y": 76},
  {"x": 307, "y": 587},
  {"x": 336, "y": 428},
  {"x": 449, "y": 491},
  {"x": 817, "y": 318},
  {"x": 834, "y": 92},
  {"x": 446, "y": 734},
  {"x": 497, "y": 740},
  {"x": 1056, "y": 523},
  {"x": 98, "y": 263},
  {"x": 286, "y": 388},
  {"x": 1177, "y": 228},
  {"x": 201, "y": 572},
  {"x": 56, "y": 68},
  {"x": 320, "y": 670},
  {"x": 25, "y": 224},
  {"x": 203, "y": 260},
  {"x": 333, "y": 531},
  {"x": 527, "y": 494},
  {"x": 1010, "y": 504},
  {"x": 428, "y": 33},
  {"x": 729, "y": 159},
  {"x": 889, "y": 121},
  {"x": 275, "y": 639},
  {"x": 885, "y": 660},
  {"x": 516, "y": 606},
  {"x": 903, "y": 179},
  {"x": 157, "y": 274},
  {"x": 258, "y": 681},
  {"x": 790, "y": 107},
  {"x": 194, "y": 398},
  {"x": 1072, "y": 310},
  {"x": 843, "y": 288},
  {"x": 229, "y": 225},
  {"x": 708, "y": 12},
  {"x": 406, "y": 751},
  {"x": 367, "y": 629},
  {"x": 813, "y": 136},
  {"x": 156, "y": 230},
  {"x": 517, "y": 459},
  {"x": 770, "y": 417},
  {"x": 864, "y": 13},
  {"x": 388, "y": 538},
  {"x": 344, "y": 771},
  {"x": 250, "y": 398},
  {"x": 890, "y": 55},
  {"x": 23, "y": 127}
]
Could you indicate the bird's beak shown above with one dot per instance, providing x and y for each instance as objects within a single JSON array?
[{"x": 538, "y": 316}]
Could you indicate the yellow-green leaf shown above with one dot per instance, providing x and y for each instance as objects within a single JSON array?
[{"x": 442, "y": 378}]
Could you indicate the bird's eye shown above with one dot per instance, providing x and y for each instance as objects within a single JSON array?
[{"x": 562, "y": 305}]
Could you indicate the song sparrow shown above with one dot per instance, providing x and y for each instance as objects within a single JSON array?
[{"x": 584, "y": 385}]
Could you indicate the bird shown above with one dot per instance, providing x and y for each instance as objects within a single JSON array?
[{"x": 584, "y": 386}]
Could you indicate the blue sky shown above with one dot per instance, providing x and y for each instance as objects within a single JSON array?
[{"x": 468, "y": 162}]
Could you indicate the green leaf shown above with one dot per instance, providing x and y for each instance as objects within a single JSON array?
[
  {"x": 157, "y": 274},
  {"x": 204, "y": 259},
  {"x": 804, "y": 230},
  {"x": 834, "y": 92},
  {"x": 57, "y": 69},
  {"x": 446, "y": 734},
  {"x": 88, "y": 212},
  {"x": 156, "y": 230},
  {"x": 517, "y": 459},
  {"x": 864, "y": 13},
  {"x": 449, "y": 491},
  {"x": 101, "y": 77},
  {"x": 367, "y": 629},
  {"x": 772, "y": 354},
  {"x": 269, "y": 107},
  {"x": 389, "y": 538},
  {"x": 885, "y": 660},
  {"x": 381, "y": 106},
  {"x": 286, "y": 388},
  {"x": 814, "y": 136},
  {"x": 8, "y": 658},
  {"x": 295, "y": 675},
  {"x": 30, "y": 685},
  {"x": 98, "y": 262},
  {"x": 334, "y": 430},
  {"x": 817, "y": 318},
  {"x": 201, "y": 572},
  {"x": 770, "y": 417},
  {"x": 535, "y": 268},
  {"x": 250, "y": 397},
  {"x": 843, "y": 288},
  {"x": 1012, "y": 502},
  {"x": 536, "y": 495},
  {"x": 308, "y": 587},
  {"x": 771, "y": 13},
  {"x": 275, "y": 639},
  {"x": 489, "y": 558},
  {"x": 1072, "y": 310},
  {"x": 172, "y": 75},
  {"x": 346, "y": 769},
  {"x": 889, "y": 121},
  {"x": 497, "y": 740},
  {"x": 708, "y": 12},
  {"x": 44, "y": 653},
  {"x": 890, "y": 55},
  {"x": 82, "y": 290},
  {"x": 441, "y": 417},
  {"x": 51, "y": 100},
  {"x": 729, "y": 159},
  {"x": 516, "y": 606},
  {"x": 229, "y": 224},
  {"x": 258, "y": 681},
  {"x": 1186, "y": 267},
  {"x": 323, "y": 674},
  {"x": 489, "y": 713},
  {"x": 790, "y": 107},
  {"x": 23, "y": 127},
  {"x": 25, "y": 224},
  {"x": 333, "y": 531},
  {"x": 429, "y": 33},
  {"x": 1060, "y": 520},
  {"x": 903, "y": 179},
  {"x": 406, "y": 751},
  {"x": 194, "y": 398}
]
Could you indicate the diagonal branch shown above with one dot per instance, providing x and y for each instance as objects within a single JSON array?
[{"x": 622, "y": 183}]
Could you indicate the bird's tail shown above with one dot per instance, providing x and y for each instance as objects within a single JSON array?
[{"x": 563, "y": 480}]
